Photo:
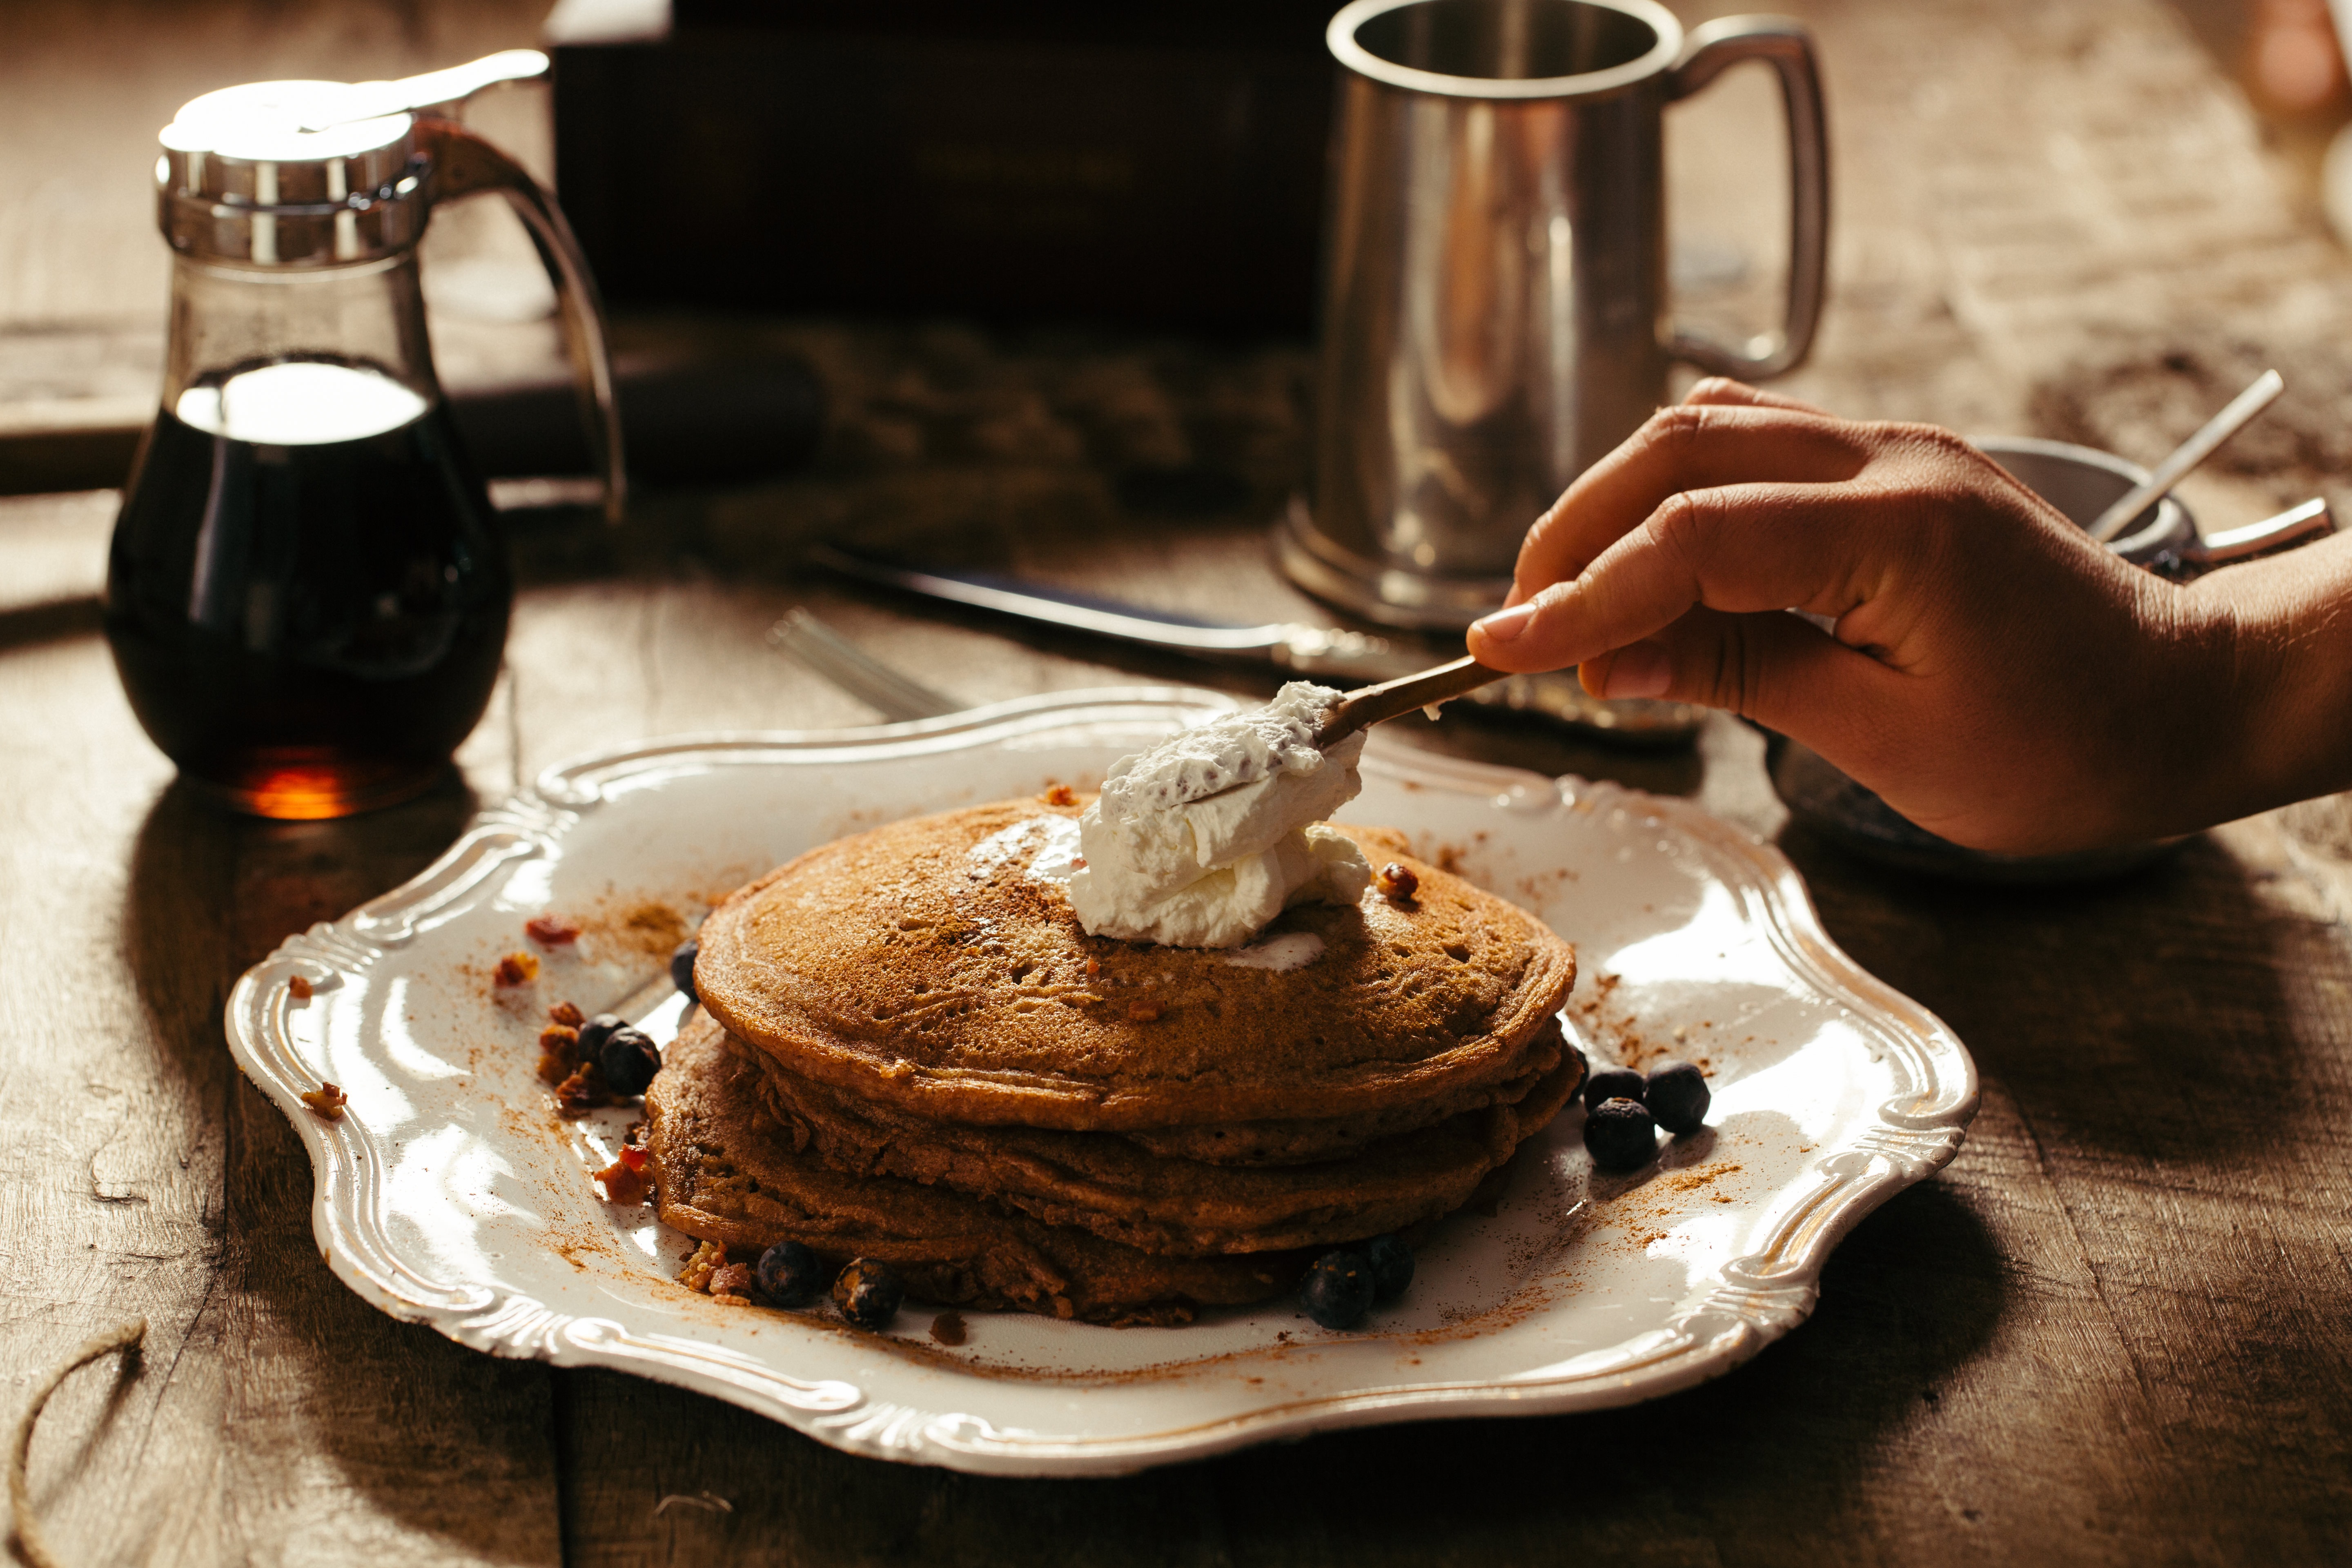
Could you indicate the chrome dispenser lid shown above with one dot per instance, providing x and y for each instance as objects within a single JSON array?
[{"x": 310, "y": 173}]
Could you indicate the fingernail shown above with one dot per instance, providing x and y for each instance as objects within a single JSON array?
[
  {"x": 1641, "y": 670},
  {"x": 1503, "y": 626}
]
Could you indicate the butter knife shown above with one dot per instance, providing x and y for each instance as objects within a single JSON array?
[{"x": 1326, "y": 653}]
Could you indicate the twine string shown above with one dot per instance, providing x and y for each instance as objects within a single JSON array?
[{"x": 124, "y": 1336}]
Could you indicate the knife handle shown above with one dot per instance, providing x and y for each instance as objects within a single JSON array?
[{"x": 1394, "y": 699}]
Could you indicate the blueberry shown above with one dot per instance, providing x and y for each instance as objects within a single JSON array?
[
  {"x": 869, "y": 1293},
  {"x": 1338, "y": 1289},
  {"x": 1678, "y": 1097},
  {"x": 1391, "y": 1262},
  {"x": 629, "y": 1059},
  {"x": 790, "y": 1275},
  {"x": 596, "y": 1031},
  {"x": 1620, "y": 1134},
  {"x": 1614, "y": 1083},
  {"x": 681, "y": 967}
]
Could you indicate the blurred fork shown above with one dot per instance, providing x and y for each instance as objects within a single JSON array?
[{"x": 898, "y": 697}]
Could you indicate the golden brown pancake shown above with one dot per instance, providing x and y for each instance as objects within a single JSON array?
[
  {"x": 1335, "y": 1137},
  {"x": 1102, "y": 1183},
  {"x": 726, "y": 1170},
  {"x": 899, "y": 967}
]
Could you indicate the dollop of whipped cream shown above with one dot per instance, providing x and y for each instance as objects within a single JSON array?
[{"x": 1203, "y": 839}]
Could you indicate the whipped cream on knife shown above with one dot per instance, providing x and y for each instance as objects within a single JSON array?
[{"x": 1203, "y": 839}]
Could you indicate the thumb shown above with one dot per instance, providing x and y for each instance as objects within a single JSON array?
[{"x": 1783, "y": 672}]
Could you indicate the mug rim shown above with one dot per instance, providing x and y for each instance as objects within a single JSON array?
[{"x": 1339, "y": 38}]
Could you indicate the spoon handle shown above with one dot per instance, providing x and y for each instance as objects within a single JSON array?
[
  {"x": 2188, "y": 454},
  {"x": 1393, "y": 698}
]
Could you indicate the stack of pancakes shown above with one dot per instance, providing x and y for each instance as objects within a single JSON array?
[{"x": 910, "y": 1050}]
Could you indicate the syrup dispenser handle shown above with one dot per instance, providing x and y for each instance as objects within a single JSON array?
[
  {"x": 423, "y": 94},
  {"x": 463, "y": 164}
]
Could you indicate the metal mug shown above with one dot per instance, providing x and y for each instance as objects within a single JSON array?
[{"x": 1495, "y": 311}]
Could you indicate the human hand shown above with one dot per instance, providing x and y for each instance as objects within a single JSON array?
[{"x": 1994, "y": 675}]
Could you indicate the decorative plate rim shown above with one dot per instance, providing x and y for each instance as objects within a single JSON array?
[{"x": 1763, "y": 1294}]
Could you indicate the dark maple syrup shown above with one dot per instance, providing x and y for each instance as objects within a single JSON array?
[{"x": 307, "y": 595}]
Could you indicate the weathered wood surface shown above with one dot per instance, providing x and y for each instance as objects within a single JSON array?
[{"x": 2114, "y": 1330}]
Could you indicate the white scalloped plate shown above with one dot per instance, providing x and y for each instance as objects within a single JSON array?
[{"x": 451, "y": 1194}]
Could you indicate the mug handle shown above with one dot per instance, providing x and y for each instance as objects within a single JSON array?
[
  {"x": 1788, "y": 47},
  {"x": 464, "y": 163}
]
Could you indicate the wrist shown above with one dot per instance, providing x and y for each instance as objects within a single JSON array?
[
  {"x": 2281, "y": 630},
  {"x": 2197, "y": 687}
]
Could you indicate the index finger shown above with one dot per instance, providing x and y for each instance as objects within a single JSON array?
[
  {"x": 1724, "y": 389},
  {"x": 1688, "y": 447}
]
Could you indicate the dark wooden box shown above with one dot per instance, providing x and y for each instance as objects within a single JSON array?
[{"x": 1019, "y": 160}]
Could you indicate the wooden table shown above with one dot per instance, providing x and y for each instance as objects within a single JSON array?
[{"x": 2115, "y": 1329}]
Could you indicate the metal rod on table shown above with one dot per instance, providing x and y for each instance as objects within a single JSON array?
[{"x": 2188, "y": 454}]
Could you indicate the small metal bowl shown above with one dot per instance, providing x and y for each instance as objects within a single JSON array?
[{"x": 2081, "y": 483}]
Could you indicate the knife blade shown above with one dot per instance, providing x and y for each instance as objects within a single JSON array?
[{"x": 1325, "y": 652}]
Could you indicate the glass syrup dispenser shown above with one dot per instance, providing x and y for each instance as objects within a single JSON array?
[{"x": 307, "y": 595}]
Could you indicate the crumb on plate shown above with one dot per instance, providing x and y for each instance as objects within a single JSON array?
[{"x": 551, "y": 931}]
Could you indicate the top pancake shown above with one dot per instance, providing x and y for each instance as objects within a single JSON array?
[{"x": 904, "y": 968}]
